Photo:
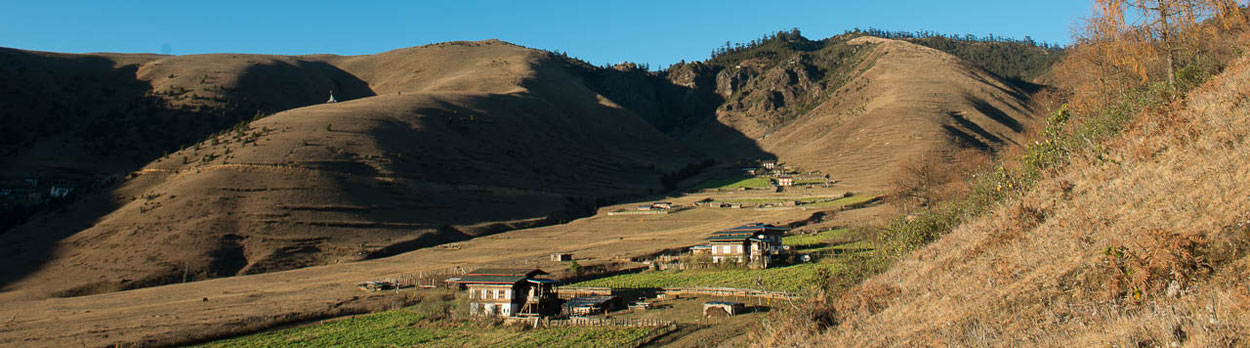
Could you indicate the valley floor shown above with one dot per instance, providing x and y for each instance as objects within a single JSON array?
[{"x": 207, "y": 309}]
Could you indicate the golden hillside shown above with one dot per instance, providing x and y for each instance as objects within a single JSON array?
[
  {"x": 461, "y": 139},
  {"x": 443, "y": 143},
  {"x": 1143, "y": 245},
  {"x": 860, "y": 109}
]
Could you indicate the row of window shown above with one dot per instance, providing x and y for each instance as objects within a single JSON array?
[
  {"x": 490, "y": 309},
  {"x": 486, "y": 294},
  {"x": 725, "y": 249}
]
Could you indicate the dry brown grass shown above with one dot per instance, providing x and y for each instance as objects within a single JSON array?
[
  {"x": 908, "y": 102},
  {"x": 1143, "y": 246},
  {"x": 460, "y": 140}
]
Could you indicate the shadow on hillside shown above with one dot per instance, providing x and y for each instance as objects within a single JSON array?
[
  {"x": 969, "y": 134},
  {"x": 122, "y": 124},
  {"x": 686, "y": 112},
  {"x": 283, "y": 86},
  {"x": 995, "y": 114}
]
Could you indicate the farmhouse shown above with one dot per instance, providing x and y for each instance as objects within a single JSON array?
[
  {"x": 755, "y": 244},
  {"x": 510, "y": 292},
  {"x": 785, "y": 181},
  {"x": 662, "y": 205},
  {"x": 769, "y": 164}
]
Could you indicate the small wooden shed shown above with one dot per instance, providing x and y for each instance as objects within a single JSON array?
[
  {"x": 722, "y": 308},
  {"x": 590, "y": 305},
  {"x": 561, "y": 257}
]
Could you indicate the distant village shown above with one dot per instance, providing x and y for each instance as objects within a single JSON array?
[
  {"x": 33, "y": 190},
  {"x": 524, "y": 293}
]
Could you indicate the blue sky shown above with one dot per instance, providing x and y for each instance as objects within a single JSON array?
[{"x": 654, "y": 32}]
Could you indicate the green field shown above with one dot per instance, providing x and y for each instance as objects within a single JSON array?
[
  {"x": 792, "y": 278},
  {"x": 735, "y": 183},
  {"x": 408, "y": 327},
  {"x": 795, "y": 278}
]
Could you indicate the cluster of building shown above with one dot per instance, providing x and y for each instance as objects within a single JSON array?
[
  {"x": 523, "y": 292},
  {"x": 32, "y": 190}
]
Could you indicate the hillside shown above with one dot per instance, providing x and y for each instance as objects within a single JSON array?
[
  {"x": 1143, "y": 242},
  {"x": 858, "y": 108},
  {"x": 442, "y": 143},
  {"x": 471, "y": 138}
]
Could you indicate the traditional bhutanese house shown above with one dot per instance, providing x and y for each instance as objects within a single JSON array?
[
  {"x": 508, "y": 292},
  {"x": 590, "y": 305},
  {"x": 662, "y": 205},
  {"x": 785, "y": 181},
  {"x": 561, "y": 257},
  {"x": 769, "y": 164},
  {"x": 755, "y": 244}
]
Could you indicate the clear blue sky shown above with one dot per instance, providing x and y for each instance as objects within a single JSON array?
[{"x": 654, "y": 32}]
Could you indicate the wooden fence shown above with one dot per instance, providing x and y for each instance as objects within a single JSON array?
[
  {"x": 662, "y": 327},
  {"x": 574, "y": 291}
]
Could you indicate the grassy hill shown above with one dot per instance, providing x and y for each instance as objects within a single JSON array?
[
  {"x": 439, "y": 143},
  {"x": 1124, "y": 223},
  {"x": 480, "y": 137},
  {"x": 856, "y": 107}
]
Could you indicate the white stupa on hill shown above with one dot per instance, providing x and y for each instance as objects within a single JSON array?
[{"x": 332, "y": 100}]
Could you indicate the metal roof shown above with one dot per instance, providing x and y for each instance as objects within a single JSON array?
[
  {"x": 745, "y": 232},
  {"x": 594, "y": 300},
  {"x": 476, "y": 279},
  {"x": 757, "y": 227},
  {"x": 523, "y": 272},
  {"x": 544, "y": 281}
]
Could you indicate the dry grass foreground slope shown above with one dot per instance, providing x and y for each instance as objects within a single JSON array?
[
  {"x": 460, "y": 139},
  {"x": 1145, "y": 246},
  {"x": 899, "y": 103}
]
